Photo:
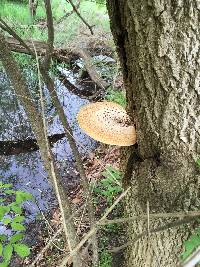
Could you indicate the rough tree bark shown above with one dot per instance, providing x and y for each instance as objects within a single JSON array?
[{"x": 158, "y": 45}]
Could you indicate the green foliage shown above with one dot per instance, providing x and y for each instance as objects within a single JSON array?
[
  {"x": 116, "y": 96},
  {"x": 11, "y": 216},
  {"x": 18, "y": 15},
  {"x": 198, "y": 162},
  {"x": 101, "y": 2},
  {"x": 105, "y": 259},
  {"x": 191, "y": 244},
  {"x": 109, "y": 187}
]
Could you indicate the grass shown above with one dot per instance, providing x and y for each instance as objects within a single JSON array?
[{"x": 17, "y": 14}]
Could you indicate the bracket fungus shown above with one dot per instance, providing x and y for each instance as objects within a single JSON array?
[{"x": 108, "y": 123}]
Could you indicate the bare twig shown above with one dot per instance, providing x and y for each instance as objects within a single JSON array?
[
  {"x": 68, "y": 131},
  {"x": 59, "y": 231},
  {"x": 7, "y": 28},
  {"x": 69, "y": 13},
  {"x": 78, "y": 14},
  {"x": 152, "y": 216},
  {"x": 93, "y": 230}
]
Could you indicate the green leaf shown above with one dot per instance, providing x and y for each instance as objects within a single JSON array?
[
  {"x": 1, "y": 249},
  {"x": 16, "y": 238},
  {"x": 97, "y": 190},
  {"x": 16, "y": 208},
  {"x": 18, "y": 219},
  {"x": 4, "y": 264},
  {"x": 6, "y": 220},
  {"x": 9, "y": 192},
  {"x": 2, "y": 199},
  {"x": 5, "y": 185},
  {"x": 3, "y": 211},
  {"x": 3, "y": 237},
  {"x": 198, "y": 162},
  {"x": 22, "y": 250},
  {"x": 17, "y": 226},
  {"x": 190, "y": 245},
  {"x": 22, "y": 196},
  {"x": 7, "y": 252}
]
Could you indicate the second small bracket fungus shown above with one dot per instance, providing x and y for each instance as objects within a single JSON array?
[{"x": 108, "y": 123}]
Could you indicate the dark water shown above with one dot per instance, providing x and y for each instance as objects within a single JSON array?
[{"x": 25, "y": 171}]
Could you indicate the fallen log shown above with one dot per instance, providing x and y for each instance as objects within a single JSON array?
[
  {"x": 8, "y": 148},
  {"x": 61, "y": 55}
]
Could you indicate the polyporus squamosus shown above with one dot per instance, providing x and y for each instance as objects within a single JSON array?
[{"x": 108, "y": 123}]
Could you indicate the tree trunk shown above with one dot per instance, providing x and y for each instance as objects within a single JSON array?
[
  {"x": 158, "y": 46},
  {"x": 33, "y": 7}
]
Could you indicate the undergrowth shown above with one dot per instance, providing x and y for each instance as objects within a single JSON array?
[
  {"x": 107, "y": 190},
  {"x": 17, "y": 14},
  {"x": 12, "y": 219},
  {"x": 117, "y": 96}
]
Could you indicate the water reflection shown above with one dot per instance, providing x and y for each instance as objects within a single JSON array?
[{"x": 25, "y": 171}]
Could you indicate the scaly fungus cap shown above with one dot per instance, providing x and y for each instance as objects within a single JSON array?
[{"x": 108, "y": 123}]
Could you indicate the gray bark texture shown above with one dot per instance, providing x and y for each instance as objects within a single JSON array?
[{"x": 158, "y": 43}]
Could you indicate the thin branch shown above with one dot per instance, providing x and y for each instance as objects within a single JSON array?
[
  {"x": 79, "y": 15},
  {"x": 152, "y": 216},
  {"x": 93, "y": 230},
  {"x": 69, "y": 13},
  {"x": 49, "y": 50},
  {"x": 50, "y": 84},
  {"x": 51, "y": 240},
  {"x": 7, "y": 28}
]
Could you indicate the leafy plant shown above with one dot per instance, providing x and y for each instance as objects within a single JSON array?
[
  {"x": 198, "y": 162},
  {"x": 191, "y": 244},
  {"x": 110, "y": 186},
  {"x": 11, "y": 216},
  {"x": 117, "y": 96},
  {"x": 105, "y": 259}
]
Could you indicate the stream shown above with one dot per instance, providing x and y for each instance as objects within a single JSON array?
[{"x": 25, "y": 170}]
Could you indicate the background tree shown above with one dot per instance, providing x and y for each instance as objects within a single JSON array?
[
  {"x": 33, "y": 7},
  {"x": 158, "y": 46}
]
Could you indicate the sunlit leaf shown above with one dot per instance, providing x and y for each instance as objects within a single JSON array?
[
  {"x": 6, "y": 220},
  {"x": 22, "y": 250},
  {"x": 7, "y": 252},
  {"x": 198, "y": 162},
  {"x": 9, "y": 192},
  {"x": 4, "y": 264},
  {"x": 17, "y": 226},
  {"x": 16, "y": 238},
  {"x": 1, "y": 249},
  {"x": 16, "y": 208},
  {"x": 18, "y": 219},
  {"x": 3, "y": 211},
  {"x": 7, "y": 185},
  {"x": 22, "y": 196},
  {"x": 3, "y": 237}
]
